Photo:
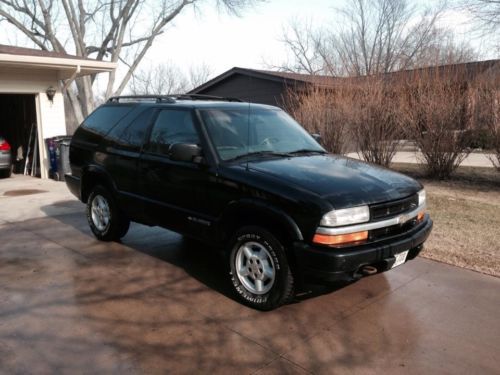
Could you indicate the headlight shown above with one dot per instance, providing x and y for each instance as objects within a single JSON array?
[
  {"x": 346, "y": 216},
  {"x": 421, "y": 197}
]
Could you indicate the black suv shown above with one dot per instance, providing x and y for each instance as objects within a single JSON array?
[{"x": 247, "y": 179}]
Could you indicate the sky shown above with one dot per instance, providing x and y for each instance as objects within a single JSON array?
[{"x": 223, "y": 41}]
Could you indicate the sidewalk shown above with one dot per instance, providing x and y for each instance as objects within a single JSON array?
[{"x": 473, "y": 160}]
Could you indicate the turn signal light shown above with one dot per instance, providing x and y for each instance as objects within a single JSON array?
[
  {"x": 340, "y": 239},
  {"x": 420, "y": 216}
]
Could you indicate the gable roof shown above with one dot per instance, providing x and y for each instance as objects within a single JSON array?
[{"x": 283, "y": 77}]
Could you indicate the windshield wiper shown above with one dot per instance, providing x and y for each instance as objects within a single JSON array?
[
  {"x": 306, "y": 151},
  {"x": 260, "y": 153}
]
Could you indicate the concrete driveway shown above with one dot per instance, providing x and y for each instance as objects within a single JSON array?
[{"x": 156, "y": 303}]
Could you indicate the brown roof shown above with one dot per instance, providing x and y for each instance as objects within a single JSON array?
[
  {"x": 472, "y": 69},
  {"x": 12, "y": 50},
  {"x": 306, "y": 78}
]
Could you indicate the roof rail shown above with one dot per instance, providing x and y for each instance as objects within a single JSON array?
[
  {"x": 203, "y": 97},
  {"x": 169, "y": 98},
  {"x": 156, "y": 98}
]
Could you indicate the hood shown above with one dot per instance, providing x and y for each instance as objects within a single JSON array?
[{"x": 344, "y": 182}]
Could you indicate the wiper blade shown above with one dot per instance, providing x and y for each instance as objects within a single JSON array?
[
  {"x": 307, "y": 151},
  {"x": 260, "y": 153}
]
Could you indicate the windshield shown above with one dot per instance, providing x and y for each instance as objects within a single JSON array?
[{"x": 237, "y": 133}]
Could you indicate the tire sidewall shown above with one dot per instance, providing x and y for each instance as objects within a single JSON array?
[{"x": 274, "y": 297}]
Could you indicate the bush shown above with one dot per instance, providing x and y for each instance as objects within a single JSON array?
[
  {"x": 437, "y": 119},
  {"x": 322, "y": 112},
  {"x": 375, "y": 121},
  {"x": 485, "y": 113}
]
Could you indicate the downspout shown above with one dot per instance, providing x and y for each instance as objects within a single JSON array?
[{"x": 70, "y": 80}]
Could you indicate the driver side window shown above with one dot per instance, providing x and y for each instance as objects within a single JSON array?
[{"x": 172, "y": 126}]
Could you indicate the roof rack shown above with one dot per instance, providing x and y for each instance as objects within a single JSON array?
[
  {"x": 156, "y": 98},
  {"x": 169, "y": 98},
  {"x": 204, "y": 97}
]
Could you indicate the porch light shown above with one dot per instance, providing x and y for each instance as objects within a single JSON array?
[{"x": 50, "y": 92}]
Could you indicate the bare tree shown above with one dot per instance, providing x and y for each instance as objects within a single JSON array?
[
  {"x": 162, "y": 79},
  {"x": 374, "y": 36},
  {"x": 167, "y": 78},
  {"x": 485, "y": 12},
  {"x": 198, "y": 75},
  {"x": 116, "y": 30}
]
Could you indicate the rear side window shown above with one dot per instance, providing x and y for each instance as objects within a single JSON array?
[
  {"x": 134, "y": 133},
  {"x": 104, "y": 118},
  {"x": 172, "y": 126}
]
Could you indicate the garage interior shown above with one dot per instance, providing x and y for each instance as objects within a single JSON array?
[{"x": 19, "y": 127}]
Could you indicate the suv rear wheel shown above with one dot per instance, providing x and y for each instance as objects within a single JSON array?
[
  {"x": 106, "y": 220},
  {"x": 259, "y": 269}
]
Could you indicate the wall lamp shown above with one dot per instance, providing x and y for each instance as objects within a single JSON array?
[{"x": 50, "y": 92}]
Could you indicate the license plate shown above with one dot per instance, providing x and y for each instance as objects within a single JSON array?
[{"x": 400, "y": 258}]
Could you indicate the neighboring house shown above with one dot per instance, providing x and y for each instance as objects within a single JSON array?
[
  {"x": 260, "y": 86},
  {"x": 31, "y": 98},
  {"x": 271, "y": 87}
]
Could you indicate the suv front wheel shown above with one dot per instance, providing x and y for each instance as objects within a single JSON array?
[
  {"x": 106, "y": 220},
  {"x": 259, "y": 269}
]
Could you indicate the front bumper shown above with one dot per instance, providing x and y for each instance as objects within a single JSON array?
[{"x": 326, "y": 264}]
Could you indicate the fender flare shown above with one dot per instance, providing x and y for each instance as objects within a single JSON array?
[{"x": 260, "y": 208}]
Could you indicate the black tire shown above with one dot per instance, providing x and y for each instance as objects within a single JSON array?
[
  {"x": 6, "y": 173},
  {"x": 281, "y": 290},
  {"x": 118, "y": 224}
]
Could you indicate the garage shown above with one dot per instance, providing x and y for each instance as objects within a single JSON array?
[
  {"x": 32, "y": 102},
  {"x": 18, "y": 126}
]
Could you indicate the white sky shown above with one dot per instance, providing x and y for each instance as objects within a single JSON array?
[{"x": 223, "y": 41}]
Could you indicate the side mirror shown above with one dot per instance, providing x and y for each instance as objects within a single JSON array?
[
  {"x": 317, "y": 137},
  {"x": 185, "y": 152}
]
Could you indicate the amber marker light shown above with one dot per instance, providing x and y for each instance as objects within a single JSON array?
[
  {"x": 420, "y": 216},
  {"x": 330, "y": 240}
]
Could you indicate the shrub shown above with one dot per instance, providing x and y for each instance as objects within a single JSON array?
[
  {"x": 322, "y": 112},
  {"x": 485, "y": 113},
  {"x": 375, "y": 120},
  {"x": 437, "y": 119}
]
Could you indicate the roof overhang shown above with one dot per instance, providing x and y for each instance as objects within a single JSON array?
[{"x": 65, "y": 67}]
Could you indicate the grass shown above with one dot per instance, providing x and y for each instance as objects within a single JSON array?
[{"x": 466, "y": 214}]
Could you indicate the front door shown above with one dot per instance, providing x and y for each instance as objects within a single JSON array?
[{"x": 173, "y": 190}]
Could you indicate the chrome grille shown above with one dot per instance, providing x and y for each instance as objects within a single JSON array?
[{"x": 390, "y": 209}]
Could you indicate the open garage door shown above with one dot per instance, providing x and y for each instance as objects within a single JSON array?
[{"x": 18, "y": 126}]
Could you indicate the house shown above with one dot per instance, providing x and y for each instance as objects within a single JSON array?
[
  {"x": 31, "y": 101},
  {"x": 260, "y": 86}
]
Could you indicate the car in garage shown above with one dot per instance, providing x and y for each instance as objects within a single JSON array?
[
  {"x": 5, "y": 158},
  {"x": 248, "y": 180}
]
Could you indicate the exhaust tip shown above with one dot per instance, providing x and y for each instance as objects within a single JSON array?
[{"x": 368, "y": 270}]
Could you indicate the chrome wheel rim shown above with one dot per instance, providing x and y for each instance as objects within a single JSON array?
[
  {"x": 255, "y": 267},
  {"x": 100, "y": 213}
]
